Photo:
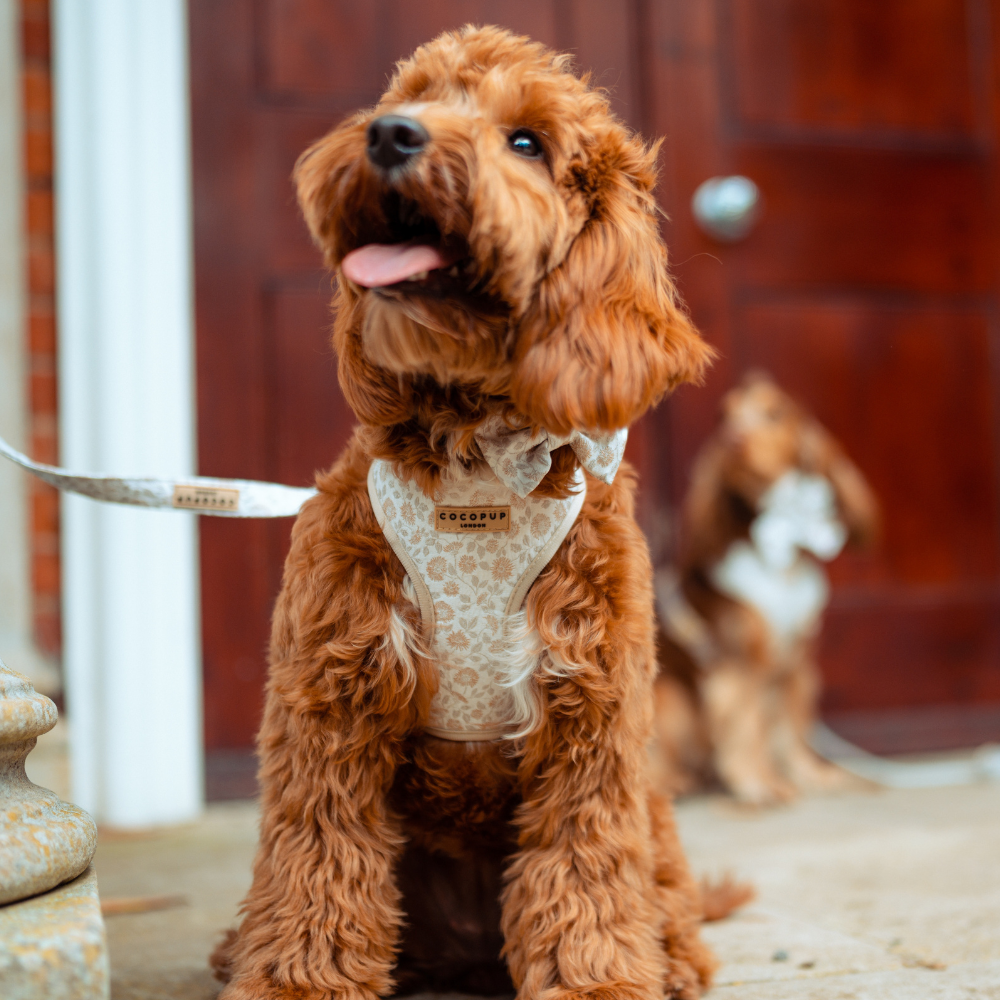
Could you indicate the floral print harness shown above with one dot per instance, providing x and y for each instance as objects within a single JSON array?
[{"x": 471, "y": 553}]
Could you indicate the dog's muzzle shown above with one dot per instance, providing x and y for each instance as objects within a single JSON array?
[{"x": 394, "y": 140}]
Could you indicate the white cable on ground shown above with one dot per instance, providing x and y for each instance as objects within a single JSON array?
[{"x": 982, "y": 765}]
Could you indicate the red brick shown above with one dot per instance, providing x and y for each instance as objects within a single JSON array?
[
  {"x": 45, "y": 543},
  {"x": 45, "y": 510},
  {"x": 37, "y": 89},
  {"x": 37, "y": 153},
  {"x": 42, "y": 363},
  {"x": 43, "y": 394},
  {"x": 41, "y": 303},
  {"x": 41, "y": 270},
  {"x": 35, "y": 37},
  {"x": 41, "y": 332},
  {"x": 45, "y": 445},
  {"x": 36, "y": 96},
  {"x": 45, "y": 573},
  {"x": 39, "y": 216},
  {"x": 48, "y": 631},
  {"x": 44, "y": 427}
]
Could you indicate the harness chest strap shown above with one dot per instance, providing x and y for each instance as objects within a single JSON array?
[{"x": 472, "y": 552}]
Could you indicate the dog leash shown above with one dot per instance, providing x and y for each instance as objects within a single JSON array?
[
  {"x": 218, "y": 497},
  {"x": 251, "y": 498}
]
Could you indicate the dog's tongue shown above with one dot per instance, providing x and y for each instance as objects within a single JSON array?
[{"x": 379, "y": 264}]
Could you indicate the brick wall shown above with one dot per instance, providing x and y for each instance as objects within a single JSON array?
[{"x": 41, "y": 320}]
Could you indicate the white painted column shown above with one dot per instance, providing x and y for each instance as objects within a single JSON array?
[
  {"x": 16, "y": 642},
  {"x": 126, "y": 377}
]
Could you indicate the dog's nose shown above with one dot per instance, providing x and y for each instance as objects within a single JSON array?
[{"x": 393, "y": 139}]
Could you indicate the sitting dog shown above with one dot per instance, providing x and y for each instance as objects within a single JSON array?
[
  {"x": 454, "y": 746},
  {"x": 771, "y": 494}
]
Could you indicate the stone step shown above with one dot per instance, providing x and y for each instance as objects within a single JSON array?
[{"x": 53, "y": 945}]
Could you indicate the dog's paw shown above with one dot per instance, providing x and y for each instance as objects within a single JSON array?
[
  {"x": 604, "y": 991},
  {"x": 820, "y": 776},
  {"x": 221, "y": 960},
  {"x": 754, "y": 790},
  {"x": 263, "y": 988},
  {"x": 690, "y": 968}
]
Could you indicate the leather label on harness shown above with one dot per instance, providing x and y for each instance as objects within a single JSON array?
[{"x": 471, "y": 519}]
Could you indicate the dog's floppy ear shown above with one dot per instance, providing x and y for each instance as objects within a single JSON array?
[
  {"x": 858, "y": 506},
  {"x": 606, "y": 336}
]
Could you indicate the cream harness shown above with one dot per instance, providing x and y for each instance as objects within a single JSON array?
[{"x": 472, "y": 551}]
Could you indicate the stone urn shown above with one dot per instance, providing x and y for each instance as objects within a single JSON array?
[{"x": 43, "y": 840}]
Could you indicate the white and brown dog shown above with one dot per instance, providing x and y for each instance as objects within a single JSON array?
[{"x": 772, "y": 497}]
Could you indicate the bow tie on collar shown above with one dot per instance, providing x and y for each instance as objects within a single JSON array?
[{"x": 521, "y": 459}]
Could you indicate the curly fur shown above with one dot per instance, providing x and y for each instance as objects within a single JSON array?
[
  {"x": 743, "y": 716},
  {"x": 388, "y": 856}
]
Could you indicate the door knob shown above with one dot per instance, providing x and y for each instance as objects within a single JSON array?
[{"x": 726, "y": 208}]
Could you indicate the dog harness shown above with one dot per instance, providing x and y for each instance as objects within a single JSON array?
[{"x": 472, "y": 551}]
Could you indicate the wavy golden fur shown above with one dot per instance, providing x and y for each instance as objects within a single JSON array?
[{"x": 388, "y": 856}]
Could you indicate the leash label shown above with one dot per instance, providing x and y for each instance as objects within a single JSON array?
[
  {"x": 205, "y": 498},
  {"x": 471, "y": 519}
]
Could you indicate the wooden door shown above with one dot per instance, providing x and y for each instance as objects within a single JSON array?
[
  {"x": 869, "y": 289},
  {"x": 267, "y": 79}
]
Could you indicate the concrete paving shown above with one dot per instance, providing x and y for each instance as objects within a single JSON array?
[
  {"x": 868, "y": 896},
  {"x": 163, "y": 954},
  {"x": 889, "y": 895}
]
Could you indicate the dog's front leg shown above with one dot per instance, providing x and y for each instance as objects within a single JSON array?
[
  {"x": 599, "y": 903},
  {"x": 322, "y": 917},
  {"x": 584, "y": 911}
]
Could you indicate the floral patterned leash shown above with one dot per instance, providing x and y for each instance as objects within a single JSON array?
[{"x": 204, "y": 495}]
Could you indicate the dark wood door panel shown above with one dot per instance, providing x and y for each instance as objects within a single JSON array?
[
  {"x": 283, "y": 242},
  {"x": 868, "y": 288},
  {"x": 301, "y": 53},
  {"x": 316, "y": 49},
  {"x": 907, "y": 388},
  {"x": 856, "y": 69},
  {"x": 934, "y": 650},
  {"x": 310, "y": 420},
  {"x": 867, "y": 219},
  {"x": 313, "y": 52},
  {"x": 240, "y": 574}
]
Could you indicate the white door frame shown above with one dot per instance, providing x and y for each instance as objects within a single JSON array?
[{"x": 132, "y": 648}]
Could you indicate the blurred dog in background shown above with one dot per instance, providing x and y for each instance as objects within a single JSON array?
[{"x": 772, "y": 496}]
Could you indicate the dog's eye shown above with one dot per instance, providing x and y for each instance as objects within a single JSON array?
[{"x": 525, "y": 144}]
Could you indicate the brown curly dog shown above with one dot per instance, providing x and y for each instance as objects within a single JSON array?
[{"x": 454, "y": 773}]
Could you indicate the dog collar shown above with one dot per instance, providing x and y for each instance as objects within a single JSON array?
[{"x": 521, "y": 459}]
